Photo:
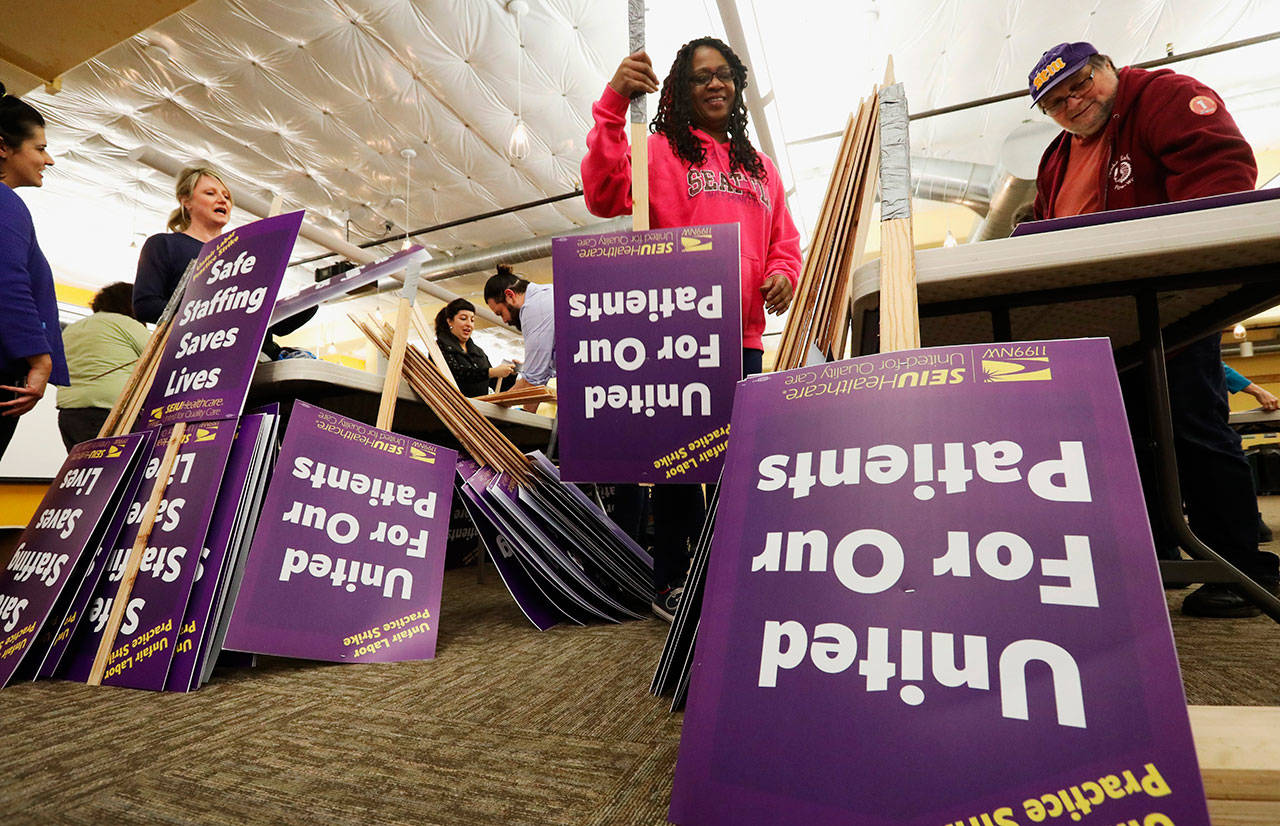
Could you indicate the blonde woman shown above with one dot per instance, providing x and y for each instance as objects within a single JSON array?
[{"x": 204, "y": 207}]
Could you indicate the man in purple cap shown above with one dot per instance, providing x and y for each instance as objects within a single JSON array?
[{"x": 1134, "y": 138}]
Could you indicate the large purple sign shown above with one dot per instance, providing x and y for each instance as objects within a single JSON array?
[
  {"x": 78, "y": 504},
  {"x": 143, "y": 646},
  {"x": 315, "y": 294},
  {"x": 933, "y": 600},
  {"x": 348, "y": 559},
  {"x": 210, "y": 571},
  {"x": 213, "y": 345},
  {"x": 648, "y": 349}
]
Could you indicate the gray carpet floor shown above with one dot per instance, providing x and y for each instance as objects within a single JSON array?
[{"x": 506, "y": 726}]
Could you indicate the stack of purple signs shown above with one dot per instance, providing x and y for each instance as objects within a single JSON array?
[
  {"x": 648, "y": 344},
  {"x": 559, "y": 555},
  {"x": 144, "y": 647},
  {"x": 933, "y": 599},
  {"x": 74, "y": 520},
  {"x": 348, "y": 560}
]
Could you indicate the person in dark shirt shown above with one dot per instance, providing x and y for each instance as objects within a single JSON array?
[
  {"x": 1133, "y": 137},
  {"x": 468, "y": 363},
  {"x": 204, "y": 208}
]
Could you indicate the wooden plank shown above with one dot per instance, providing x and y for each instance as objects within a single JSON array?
[
  {"x": 395, "y": 366},
  {"x": 899, "y": 313},
  {"x": 134, "y": 560},
  {"x": 1239, "y": 751},
  {"x": 639, "y": 177}
]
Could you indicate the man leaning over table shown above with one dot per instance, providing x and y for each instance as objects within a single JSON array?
[{"x": 1130, "y": 138}]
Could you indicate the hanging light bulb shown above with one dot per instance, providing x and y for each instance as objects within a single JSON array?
[
  {"x": 1238, "y": 331},
  {"x": 518, "y": 143},
  {"x": 408, "y": 155},
  {"x": 950, "y": 240}
]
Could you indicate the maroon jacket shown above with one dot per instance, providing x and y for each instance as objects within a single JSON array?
[{"x": 1161, "y": 148}]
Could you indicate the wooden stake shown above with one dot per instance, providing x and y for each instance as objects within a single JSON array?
[
  {"x": 395, "y": 360},
  {"x": 899, "y": 313},
  {"x": 639, "y": 132},
  {"x": 134, "y": 561}
]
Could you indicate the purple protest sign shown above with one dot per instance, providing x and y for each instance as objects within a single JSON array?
[
  {"x": 213, "y": 345},
  {"x": 933, "y": 599},
  {"x": 208, "y": 576},
  {"x": 315, "y": 294},
  {"x": 648, "y": 349},
  {"x": 180, "y": 526},
  {"x": 145, "y": 646},
  {"x": 348, "y": 560},
  {"x": 74, "y": 510}
]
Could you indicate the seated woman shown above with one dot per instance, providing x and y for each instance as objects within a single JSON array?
[
  {"x": 204, "y": 208},
  {"x": 468, "y": 363}
]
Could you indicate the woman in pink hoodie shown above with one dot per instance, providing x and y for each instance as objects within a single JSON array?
[{"x": 702, "y": 170}]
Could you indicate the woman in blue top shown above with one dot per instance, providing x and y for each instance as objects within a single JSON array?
[{"x": 30, "y": 340}]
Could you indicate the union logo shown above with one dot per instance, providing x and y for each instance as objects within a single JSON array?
[
  {"x": 1016, "y": 369},
  {"x": 421, "y": 455},
  {"x": 695, "y": 243}
]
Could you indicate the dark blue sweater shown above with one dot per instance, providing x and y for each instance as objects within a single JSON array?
[{"x": 28, "y": 307}]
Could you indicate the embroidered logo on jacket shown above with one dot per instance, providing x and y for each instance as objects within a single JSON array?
[
  {"x": 1122, "y": 172},
  {"x": 1203, "y": 105}
]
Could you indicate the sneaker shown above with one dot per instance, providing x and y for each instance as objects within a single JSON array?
[
  {"x": 665, "y": 603},
  {"x": 1220, "y": 601}
]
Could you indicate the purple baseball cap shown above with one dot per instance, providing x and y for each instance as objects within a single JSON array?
[{"x": 1056, "y": 65}]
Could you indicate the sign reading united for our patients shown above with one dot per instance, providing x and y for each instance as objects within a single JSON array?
[
  {"x": 648, "y": 349},
  {"x": 348, "y": 559},
  {"x": 213, "y": 345},
  {"x": 933, "y": 600}
]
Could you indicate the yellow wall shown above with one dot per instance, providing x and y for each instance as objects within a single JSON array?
[{"x": 18, "y": 503}]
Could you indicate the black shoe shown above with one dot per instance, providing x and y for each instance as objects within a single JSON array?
[
  {"x": 1264, "y": 531},
  {"x": 1220, "y": 601},
  {"x": 665, "y": 604}
]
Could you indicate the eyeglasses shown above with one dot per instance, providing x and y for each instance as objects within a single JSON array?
[
  {"x": 1074, "y": 91},
  {"x": 724, "y": 74}
]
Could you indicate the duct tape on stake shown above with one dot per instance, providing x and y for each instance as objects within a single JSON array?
[
  {"x": 895, "y": 155},
  {"x": 899, "y": 313}
]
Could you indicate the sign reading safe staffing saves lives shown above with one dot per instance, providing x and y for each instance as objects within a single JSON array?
[
  {"x": 347, "y": 563},
  {"x": 213, "y": 345},
  {"x": 648, "y": 349},
  {"x": 933, "y": 600}
]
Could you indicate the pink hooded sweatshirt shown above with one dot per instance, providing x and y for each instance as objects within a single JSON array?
[{"x": 680, "y": 195}]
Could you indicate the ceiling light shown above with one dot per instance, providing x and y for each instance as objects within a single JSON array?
[
  {"x": 518, "y": 143},
  {"x": 1239, "y": 332}
]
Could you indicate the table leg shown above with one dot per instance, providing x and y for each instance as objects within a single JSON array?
[{"x": 1205, "y": 559}]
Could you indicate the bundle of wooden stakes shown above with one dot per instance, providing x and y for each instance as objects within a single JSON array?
[
  {"x": 525, "y": 395},
  {"x": 436, "y": 386},
  {"x": 819, "y": 316}
]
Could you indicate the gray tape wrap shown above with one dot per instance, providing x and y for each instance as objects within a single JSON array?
[
  {"x": 895, "y": 154},
  {"x": 411, "y": 274},
  {"x": 635, "y": 32}
]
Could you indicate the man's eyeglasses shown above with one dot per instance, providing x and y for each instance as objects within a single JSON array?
[
  {"x": 1052, "y": 108},
  {"x": 724, "y": 74}
]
